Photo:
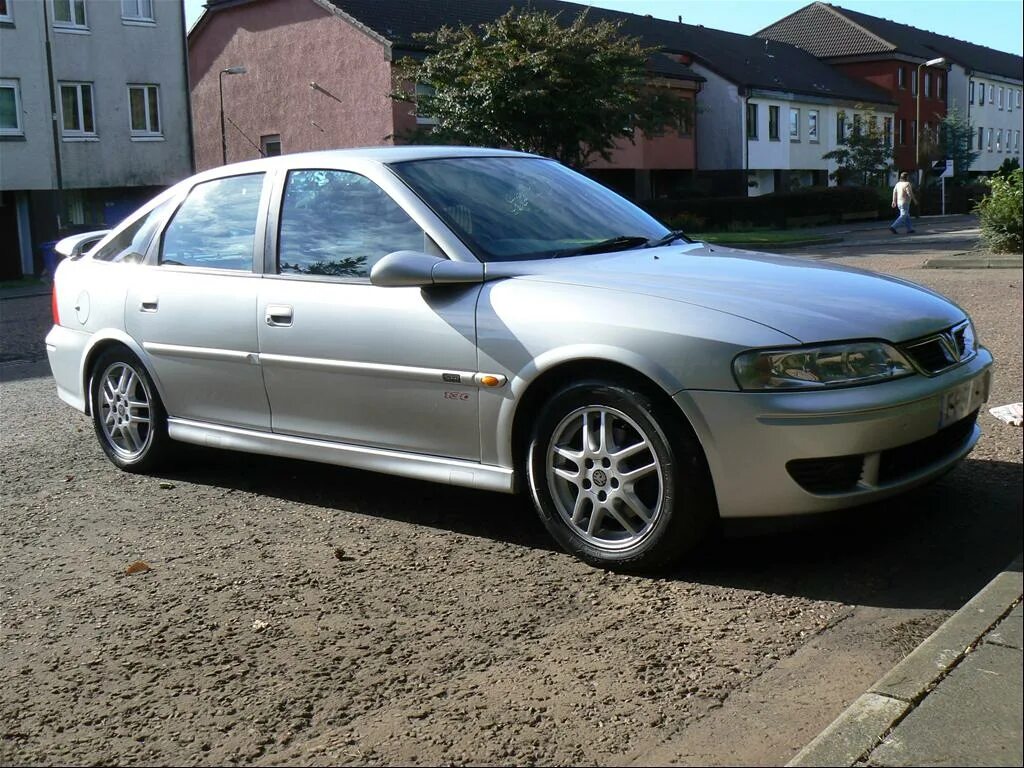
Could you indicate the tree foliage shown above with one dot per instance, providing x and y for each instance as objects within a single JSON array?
[
  {"x": 1002, "y": 213},
  {"x": 527, "y": 81},
  {"x": 864, "y": 156},
  {"x": 954, "y": 140}
]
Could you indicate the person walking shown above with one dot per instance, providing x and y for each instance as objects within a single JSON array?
[{"x": 902, "y": 197}]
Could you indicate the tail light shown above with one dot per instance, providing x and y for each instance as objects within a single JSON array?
[{"x": 53, "y": 304}]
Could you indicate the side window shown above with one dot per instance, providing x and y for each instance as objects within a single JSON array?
[
  {"x": 216, "y": 225},
  {"x": 131, "y": 243},
  {"x": 340, "y": 224}
]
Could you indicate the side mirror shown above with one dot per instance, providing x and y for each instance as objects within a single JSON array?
[{"x": 413, "y": 268}]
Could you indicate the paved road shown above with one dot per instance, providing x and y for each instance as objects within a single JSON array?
[{"x": 448, "y": 629}]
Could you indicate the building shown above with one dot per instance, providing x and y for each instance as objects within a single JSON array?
[
  {"x": 93, "y": 117},
  {"x": 984, "y": 84}
]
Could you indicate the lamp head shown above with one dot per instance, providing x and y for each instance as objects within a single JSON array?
[{"x": 239, "y": 70}]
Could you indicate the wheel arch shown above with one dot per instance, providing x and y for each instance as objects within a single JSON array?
[{"x": 110, "y": 339}]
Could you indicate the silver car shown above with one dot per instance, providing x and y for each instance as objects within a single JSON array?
[{"x": 493, "y": 319}]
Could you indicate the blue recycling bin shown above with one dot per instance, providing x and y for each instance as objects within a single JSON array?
[{"x": 48, "y": 252}]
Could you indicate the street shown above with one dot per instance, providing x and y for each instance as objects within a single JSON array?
[{"x": 298, "y": 613}]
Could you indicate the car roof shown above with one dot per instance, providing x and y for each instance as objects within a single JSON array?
[{"x": 382, "y": 155}]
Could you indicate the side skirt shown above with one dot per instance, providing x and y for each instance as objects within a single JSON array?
[{"x": 418, "y": 466}]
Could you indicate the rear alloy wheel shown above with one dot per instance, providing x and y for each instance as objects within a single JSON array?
[
  {"x": 616, "y": 483},
  {"x": 127, "y": 413}
]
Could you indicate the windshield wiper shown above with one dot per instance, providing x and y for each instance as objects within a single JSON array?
[
  {"x": 676, "y": 234},
  {"x": 619, "y": 243}
]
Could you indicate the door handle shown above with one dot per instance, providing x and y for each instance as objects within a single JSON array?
[
  {"x": 279, "y": 315},
  {"x": 148, "y": 304}
]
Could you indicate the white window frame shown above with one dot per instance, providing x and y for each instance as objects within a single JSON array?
[
  {"x": 19, "y": 129},
  {"x": 1018, "y": 99},
  {"x": 981, "y": 138},
  {"x": 938, "y": 87},
  {"x": 901, "y": 78},
  {"x": 991, "y": 93},
  {"x": 147, "y": 132},
  {"x": 72, "y": 25},
  {"x": 138, "y": 17},
  {"x": 795, "y": 123},
  {"x": 988, "y": 142},
  {"x": 1016, "y": 141},
  {"x": 927, "y": 85},
  {"x": 8, "y": 16},
  {"x": 268, "y": 139},
  {"x": 814, "y": 126},
  {"x": 887, "y": 128},
  {"x": 981, "y": 94},
  {"x": 424, "y": 89},
  {"x": 78, "y": 134},
  {"x": 999, "y": 140},
  {"x": 999, "y": 97}
]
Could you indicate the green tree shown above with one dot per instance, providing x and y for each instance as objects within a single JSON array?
[
  {"x": 528, "y": 82},
  {"x": 864, "y": 156},
  {"x": 954, "y": 141},
  {"x": 1002, "y": 213}
]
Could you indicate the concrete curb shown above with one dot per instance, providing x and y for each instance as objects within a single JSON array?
[
  {"x": 866, "y": 722},
  {"x": 967, "y": 261}
]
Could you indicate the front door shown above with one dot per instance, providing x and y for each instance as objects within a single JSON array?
[
  {"x": 348, "y": 361},
  {"x": 194, "y": 312}
]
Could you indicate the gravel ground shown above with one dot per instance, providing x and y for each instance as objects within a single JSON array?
[{"x": 297, "y": 613}]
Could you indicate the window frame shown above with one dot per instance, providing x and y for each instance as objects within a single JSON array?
[
  {"x": 14, "y": 84},
  {"x": 139, "y": 19},
  {"x": 927, "y": 85},
  {"x": 7, "y": 16},
  {"x": 797, "y": 113},
  {"x": 268, "y": 139},
  {"x": 981, "y": 138},
  {"x": 270, "y": 183},
  {"x": 72, "y": 25},
  {"x": 913, "y": 82},
  {"x": 776, "y": 135},
  {"x": 901, "y": 78},
  {"x": 272, "y": 259},
  {"x": 814, "y": 137},
  {"x": 840, "y": 128},
  {"x": 999, "y": 97},
  {"x": 78, "y": 134},
  {"x": 902, "y": 128},
  {"x": 988, "y": 140},
  {"x": 887, "y": 127},
  {"x": 147, "y": 133},
  {"x": 970, "y": 98},
  {"x": 999, "y": 140},
  {"x": 752, "y": 128}
]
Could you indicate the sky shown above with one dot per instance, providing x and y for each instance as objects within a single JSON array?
[{"x": 995, "y": 23}]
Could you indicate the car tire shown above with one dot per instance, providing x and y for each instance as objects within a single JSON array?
[
  {"x": 127, "y": 413},
  {"x": 618, "y": 481}
]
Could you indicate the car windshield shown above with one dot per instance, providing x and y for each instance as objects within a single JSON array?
[{"x": 514, "y": 208}]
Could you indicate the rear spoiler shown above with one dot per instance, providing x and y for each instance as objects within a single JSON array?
[{"x": 76, "y": 245}]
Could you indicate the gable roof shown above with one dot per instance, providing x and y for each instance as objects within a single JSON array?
[
  {"x": 743, "y": 60},
  {"x": 830, "y": 31}
]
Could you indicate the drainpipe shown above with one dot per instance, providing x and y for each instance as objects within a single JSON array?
[
  {"x": 188, "y": 97},
  {"x": 53, "y": 113},
  {"x": 746, "y": 143}
]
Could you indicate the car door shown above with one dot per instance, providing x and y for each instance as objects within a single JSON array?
[
  {"x": 194, "y": 309},
  {"x": 347, "y": 361}
]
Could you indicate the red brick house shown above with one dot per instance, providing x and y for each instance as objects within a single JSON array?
[{"x": 318, "y": 74}]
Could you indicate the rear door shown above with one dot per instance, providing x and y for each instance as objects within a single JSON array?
[{"x": 194, "y": 311}]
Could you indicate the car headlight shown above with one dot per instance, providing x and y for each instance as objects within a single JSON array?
[
  {"x": 970, "y": 344},
  {"x": 835, "y": 365}
]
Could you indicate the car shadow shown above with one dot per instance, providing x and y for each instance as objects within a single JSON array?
[{"x": 931, "y": 548}]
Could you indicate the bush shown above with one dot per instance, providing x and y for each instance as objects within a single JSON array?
[
  {"x": 772, "y": 210},
  {"x": 1002, "y": 213}
]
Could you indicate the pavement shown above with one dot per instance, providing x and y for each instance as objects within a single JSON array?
[{"x": 955, "y": 700}]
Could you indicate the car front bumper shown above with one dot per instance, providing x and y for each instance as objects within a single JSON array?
[{"x": 785, "y": 453}]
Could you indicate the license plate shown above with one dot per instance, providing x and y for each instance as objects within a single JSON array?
[{"x": 963, "y": 399}]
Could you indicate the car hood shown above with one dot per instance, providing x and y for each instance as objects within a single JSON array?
[{"x": 808, "y": 300}]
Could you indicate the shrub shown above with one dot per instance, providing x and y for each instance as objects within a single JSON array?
[{"x": 1002, "y": 214}]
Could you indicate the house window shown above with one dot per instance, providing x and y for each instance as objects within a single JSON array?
[
  {"x": 991, "y": 93},
  {"x": 999, "y": 97},
  {"x": 988, "y": 140},
  {"x": 1018, "y": 99},
  {"x": 812, "y": 125},
  {"x": 1016, "y": 140},
  {"x": 270, "y": 145},
  {"x": 794, "y": 125},
  {"x": 5, "y": 12},
  {"x": 144, "y": 110},
  {"x": 913, "y": 83},
  {"x": 901, "y": 77},
  {"x": 903, "y": 132},
  {"x": 913, "y": 130},
  {"x": 927, "y": 85},
  {"x": 10, "y": 108},
  {"x": 773, "y": 123},
  {"x": 938, "y": 88},
  {"x": 752, "y": 121},
  {"x": 77, "y": 118},
  {"x": 999, "y": 140},
  {"x": 981, "y": 138},
  {"x": 981, "y": 94},
  {"x": 887, "y": 129},
  {"x": 970, "y": 100},
  {"x": 840, "y": 128},
  {"x": 856, "y": 126},
  {"x": 424, "y": 89},
  {"x": 137, "y": 10},
  {"x": 69, "y": 14}
]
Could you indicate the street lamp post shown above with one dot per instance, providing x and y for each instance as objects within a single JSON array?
[
  {"x": 917, "y": 131},
  {"x": 223, "y": 136}
]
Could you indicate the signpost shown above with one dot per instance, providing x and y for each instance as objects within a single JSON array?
[{"x": 944, "y": 170}]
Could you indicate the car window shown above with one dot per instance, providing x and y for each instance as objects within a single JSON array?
[
  {"x": 216, "y": 225},
  {"x": 340, "y": 224},
  {"x": 131, "y": 243}
]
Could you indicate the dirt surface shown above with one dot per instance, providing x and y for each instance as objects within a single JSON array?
[{"x": 303, "y": 614}]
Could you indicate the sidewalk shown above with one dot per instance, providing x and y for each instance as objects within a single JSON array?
[{"x": 956, "y": 700}]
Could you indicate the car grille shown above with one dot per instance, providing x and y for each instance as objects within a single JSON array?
[
  {"x": 832, "y": 475},
  {"x": 840, "y": 474},
  {"x": 935, "y": 354},
  {"x": 907, "y": 459}
]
